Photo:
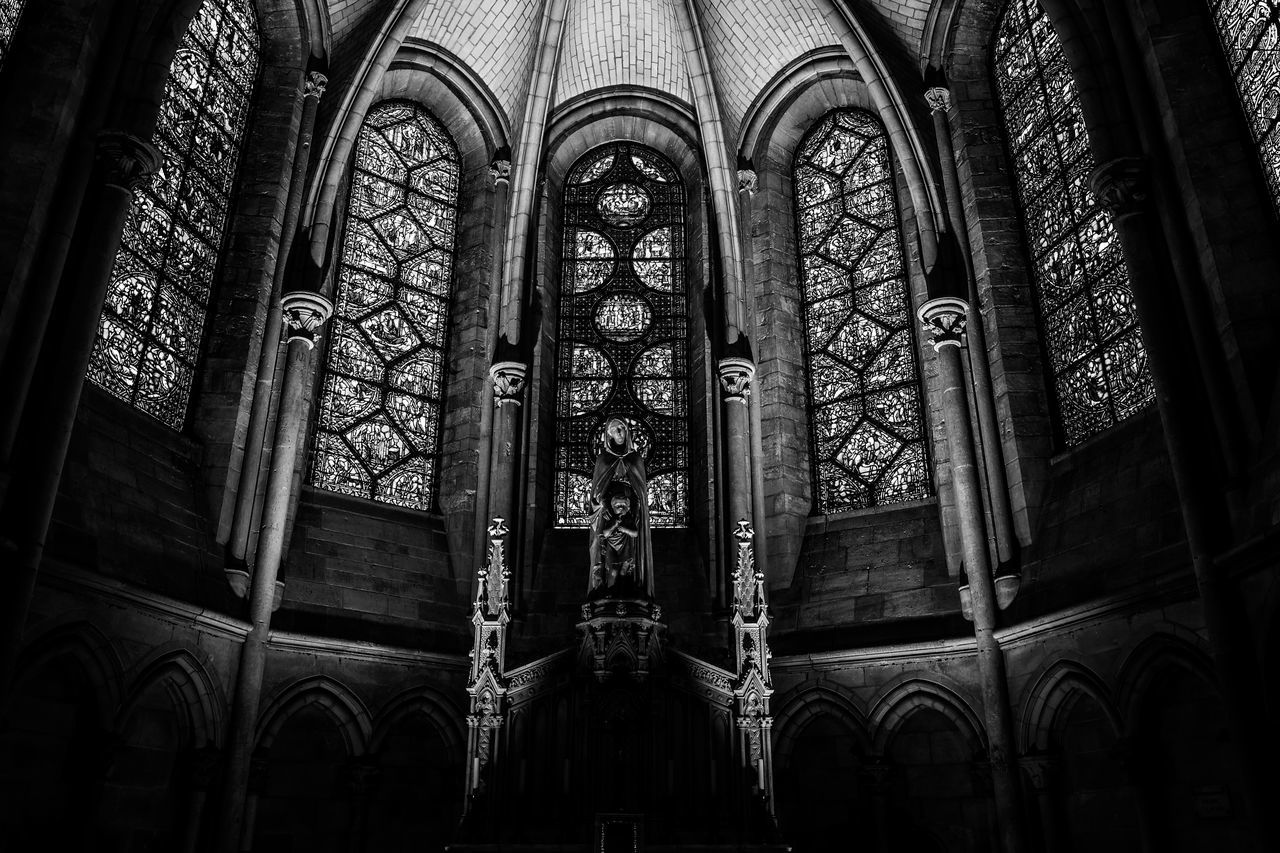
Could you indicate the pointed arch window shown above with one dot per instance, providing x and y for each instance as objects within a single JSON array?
[
  {"x": 378, "y": 434},
  {"x": 154, "y": 316},
  {"x": 1250, "y": 35},
  {"x": 1088, "y": 320},
  {"x": 10, "y": 14},
  {"x": 623, "y": 328},
  {"x": 866, "y": 424}
]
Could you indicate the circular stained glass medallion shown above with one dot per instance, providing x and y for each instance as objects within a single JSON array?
[
  {"x": 623, "y": 205},
  {"x": 623, "y": 317}
]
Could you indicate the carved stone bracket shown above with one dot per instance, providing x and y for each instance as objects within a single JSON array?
[
  {"x": 491, "y": 590},
  {"x": 304, "y": 314},
  {"x": 1121, "y": 185},
  {"x": 944, "y": 320},
  {"x": 314, "y": 84},
  {"x": 748, "y": 181},
  {"x": 126, "y": 160},
  {"x": 500, "y": 172},
  {"x": 735, "y": 378},
  {"x": 620, "y": 636},
  {"x": 938, "y": 98},
  {"x": 508, "y": 382}
]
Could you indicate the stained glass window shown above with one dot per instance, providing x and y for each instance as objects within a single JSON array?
[
  {"x": 154, "y": 315},
  {"x": 1089, "y": 322},
  {"x": 866, "y": 433},
  {"x": 10, "y": 12},
  {"x": 379, "y": 430},
  {"x": 623, "y": 328},
  {"x": 1250, "y": 33}
]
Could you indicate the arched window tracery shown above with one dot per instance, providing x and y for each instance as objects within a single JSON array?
[
  {"x": 866, "y": 422},
  {"x": 1087, "y": 315},
  {"x": 1250, "y": 34},
  {"x": 622, "y": 328},
  {"x": 378, "y": 434},
  {"x": 10, "y": 14},
  {"x": 158, "y": 299}
]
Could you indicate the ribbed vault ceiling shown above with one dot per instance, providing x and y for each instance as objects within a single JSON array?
[{"x": 621, "y": 43}]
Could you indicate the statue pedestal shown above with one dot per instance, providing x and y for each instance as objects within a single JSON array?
[{"x": 621, "y": 638}]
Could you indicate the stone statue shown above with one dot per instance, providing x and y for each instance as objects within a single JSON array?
[{"x": 621, "y": 558}]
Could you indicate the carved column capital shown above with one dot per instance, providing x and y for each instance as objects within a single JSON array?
[
  {"x": 748, "y": 181},
  {"x": 1041, "y": 769},
  {"x": 508, "y": 382},
  {"x": 313, "y": 85},
  {"x": 500, "y": 172},
  {"x": 304, "y": 314},
  {"x": 938, "y": 98},
  {"x": 944, "y": 320},
  {"x": 736, "y": 375},
  {"x": 126, "y": 160},
  {"x": 1121, "y": 185}
]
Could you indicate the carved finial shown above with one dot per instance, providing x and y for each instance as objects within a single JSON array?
[
  {"x": 304, "y": 314},
  {"x": 1121, "y": 185},
  {"x": 735, "y": 378},
  {"x": 314, "y": 85},
  {"x": 938, "y": 98},
  {"x": 944, "y": 320},
  {"x": 126, "y": 160},
  {"x": 508, "y": 382}
]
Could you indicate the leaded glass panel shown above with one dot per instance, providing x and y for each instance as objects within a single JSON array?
[
  {"x": 867, "y": 438},
  {"x": 10, "y": 13},
  {"x": 1250, "y": 33},
  {"x": 154, "y": 316},
  {"x": 378, "y": 434},
  {"x": 1088, "y": 319},
  {"x": 622, "y": 328}
]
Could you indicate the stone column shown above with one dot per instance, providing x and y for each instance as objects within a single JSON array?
[
  {"x": 500, "y": 172},
  {"x": 748, "y": 184},
  {"x": 259, "y": 776},
  {"x": 124, "y": 162},
  {"x": 944, "y": 319},
  {"x": 202, "y": 773},
  {"x": 875, "y": 777},
  {"x": 1042, "y": 769},
  {"x": 1122, "y": 187},
  {"x": 736, "y": 376},
  {"x": 255, "y": 440},
  {"x": 304, "y": 313},
  {"x": 939, "y": 100},
  {"x": 508, "y": 393},
  {"x": 362, "y": 781}
]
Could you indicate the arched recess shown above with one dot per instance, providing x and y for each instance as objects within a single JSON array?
[
  {"x": 1150, "y": 657},
  {"x": 333, "y": 698},
  {"x": 55, "y": 741},
  {"x": 1051, "y": 693},
  {"x": 820, "y": 749},
  {"x": 195, "y": 692},
  {"x": 667, "y": 128},
  {"x": 893, "y": 708},
  {"x": 787, "y": 109},
  {"x": 431, "y": 704}
]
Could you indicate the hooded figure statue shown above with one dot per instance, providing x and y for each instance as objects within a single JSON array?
[{"x": 620, "y": 519}]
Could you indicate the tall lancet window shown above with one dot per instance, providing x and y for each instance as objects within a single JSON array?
[
  {"x": 154, "y": 316},
  {"x": 866, "y": 425},
  {"x": 1087, "y": 315},
  {"x": 1250, "y": 33},
  {"x": 10, "y": 13},
  {"x": 379, "y": 430},
  {"x": 623, "y": 328}
]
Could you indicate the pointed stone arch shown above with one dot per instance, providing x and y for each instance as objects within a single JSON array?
[
  {"x": 431, "y": 703},
  {"x": 348, "y": 713},
  {"x": 1151, "y": 657},
  {"x": 893, "y": 708},
  {"x": 90, "y": 649},
  {"x": 1058, "y": 686},
  {"x": 195, "y": 692},
  {"x": 808, "y": 705}
]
